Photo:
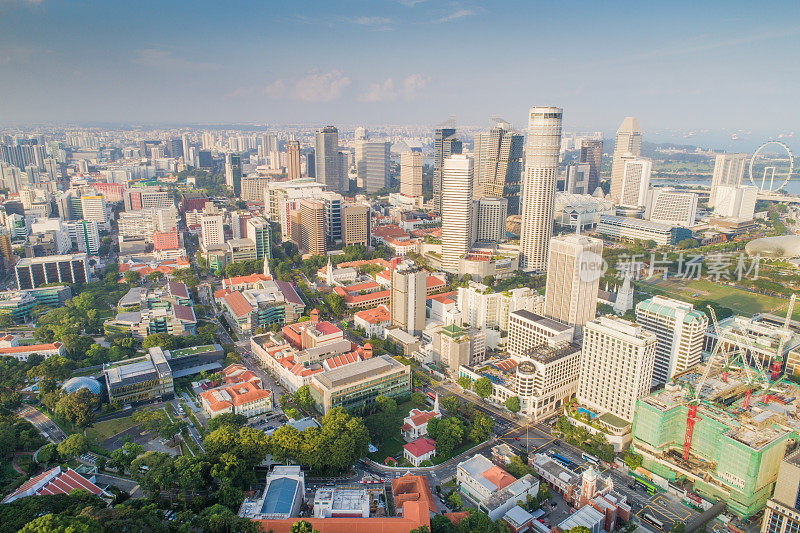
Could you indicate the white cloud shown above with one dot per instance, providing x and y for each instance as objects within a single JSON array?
[
  {"x": 414, "y": 83},
  {"x": 380, "y": 92},
  {"x": 161, "y": 60},
  {"x": 320, "y": 86},
  {"x": 386, "y": 91},
  {"x": 275, "y": 90},
  {"x": 411, "y": 3},
  {"x": 455, "y": 15},
  {"x": 373, "y": 21}
]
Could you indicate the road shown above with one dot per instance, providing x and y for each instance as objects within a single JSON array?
[
  {"x": 527, "y": 437},
  {"x": 46, "y": 427}
]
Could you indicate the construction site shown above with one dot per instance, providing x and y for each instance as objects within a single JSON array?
[{"x": 724, "y": 426}]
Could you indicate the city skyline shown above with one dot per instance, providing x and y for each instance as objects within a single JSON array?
[{"x": 289, "y": 64}]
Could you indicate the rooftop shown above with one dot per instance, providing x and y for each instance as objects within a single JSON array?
[
  {"x": 543, "y": 321},
  {"x": 374, "y": 367}
]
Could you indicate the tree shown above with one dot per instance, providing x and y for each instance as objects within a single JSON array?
[
  {"x": 450, "y": 404},
  {"x": 418, "y": 399},
  {"x": 632, "y": 460},
  {"x": 78, "y": 407},
  {"x": 132, "y": 277},
  {"x": 442, "y": 524},
  {"x": 302, "y": 398},
  {"x": 226, "y": 419},
  {"x": 302, "y": 527},
  {"x": 454, "y": 500},
  {"x": 579, "y": 529},
  {"x": 72, "y": 446},
  {"x": 448, "y": 434},
  {"x": 51, "y": 523},
  {"x": 512, "y": 404},
  {"x": 464, "y": 382},
  {"x": 481, "y": 428},
  {"x": 483, "y": 387}
]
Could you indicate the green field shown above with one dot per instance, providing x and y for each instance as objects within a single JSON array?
[
  {"x": 101, "y": 431},
  {"x": 744, "y": 302}
]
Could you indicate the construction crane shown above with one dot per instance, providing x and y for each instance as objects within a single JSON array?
[{"x": 775, "y": 366}]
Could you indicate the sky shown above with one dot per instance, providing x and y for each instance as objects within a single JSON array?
[{"x": 689, "y": 65}]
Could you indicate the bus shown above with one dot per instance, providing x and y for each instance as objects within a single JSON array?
[
  {"x": 642, "y": 482},
  {"x": 590, "y": 459},
  {"x": 562, "y": 460},
  {"x": 653, "y": 520}
]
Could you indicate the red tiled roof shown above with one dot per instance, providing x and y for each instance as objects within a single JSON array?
[
  {"x": 419, "y": 418},
  {"x": 365, "y": 286},
  {"x": 342, "y": 360},
  {"x": 420, "y": 446},
  {"x": 375, "y": 315},
  {"x": 250, "y": 279},
  {"x": 234, "y": 395},
  {"x": 499, "y": 477},
  {"x": 433, "y": 281},
  {"x": 59, "y": 482},
  {"x": 237, "y": 303},
  {"x": 326, "y": 328},
  {"x": 32, "y": 348}
]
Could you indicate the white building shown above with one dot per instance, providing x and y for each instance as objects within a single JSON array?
[
  {"x": 577, "y": 178},
  {"x": 679, "y": 330},
  {"x": 483, "y": 309},
  {"x": 491, "y": 219},
  {"x": 671, "y": 206},
  {"x": 574, "y": 269},
  {"x": 85, "y": 234},
  {"x": 411, "y": 173},
  {"x": 539, "y": 185},
  {"x": 94, "y": 209},
  {"x": 546, "y": 378},
  {"x": 372, "y": 164},
  {"x": 336, "y": 502},
  {"x": 407, "y": 298},
  {"x": 457, "y": 230},
  {"x": 478, "y": 478},
  {"x": 627, "y": 141},
  {"x": 616, "y": 366},
  {"x": 728, "y": 171},
  {"x": 528, "y": 330},
  {"x": 736, "y": 201},
  {"x": 419, "y": 450},
  {"x": 574, "y": 209},
  {"x": 211, "y": 231},
  {"x": 635, "y": 181}
]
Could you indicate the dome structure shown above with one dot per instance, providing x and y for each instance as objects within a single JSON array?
[
  {"x": 78, "y": 383},
  {"x": 783, "y": 246}
]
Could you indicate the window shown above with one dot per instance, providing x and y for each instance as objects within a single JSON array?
[{"x": 775, "y": 523}]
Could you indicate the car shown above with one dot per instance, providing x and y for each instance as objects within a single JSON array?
[
  {"x": 553, "y": 505},
  {"x": 516, "y": 438}
]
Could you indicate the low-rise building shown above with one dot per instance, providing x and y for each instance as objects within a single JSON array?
[
  {"x": 282, "y": 496},
  {"x": 358, "y": 384},
  {"x": 419, "y": 450},
  {"x": 478, "y": 478},
  {"x": 559, "y": 478},
  {"x": 415, "y": 425},
  {"x": 241, "y": 394},
  {"x": 373, "y": 321},
  {"x": 10, "y": 347},
  {"x": 501, "y": 501},
  {"x": 518, "y": 519},
  {"x": 56, "y": 481},
  {"x": 337, "y": 502}
]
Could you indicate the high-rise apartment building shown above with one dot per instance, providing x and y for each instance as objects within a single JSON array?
[
  {"x": 592, "y": 154},
  {"x": 782, "y": 514},
  {"x": 445, "y": 144},
  {"x": 527, "y": 330},
  {"x": 408, "y": 296},
  {"x": 616, "y": 366},
  {"x": 185, "y": 150},
  {"x": 671, "y": 206},
  {"x": 577, "y": 178},
  {"x": 211, "y": 231},
  {"x": 334, "y": 204},
  {"x": 481, "y": 308},
  {"x": 233, "y": 173},
  {"x": 539, "y": 186},
  {"x": 411, "y": 173},
  {"x": 327, "y": 158},
  {"x": 498, "y": 164},
  {"x": 272, "y": 152},
  {"x": 728, "y": 171},
  {"x": 293, "y": 160},
  {"x": 356, "y": 224},
  {"x": 679, "y": 330},
  {"x": 308, "y": 226},
  {"x": 372, "y": 165},
  {"x": 94, "y": 209},
  {"x": 457, "y": 210},
  {"x": 627, "y": 141},
  {"x": 574, "y": 269},
  {"x": 491, "y": 220},
  {"x": 258, "y": 232},
  {"x": 736, "y": 201},
  {"x": 253, "y": 188},
  {"x": 635, "y": 181}
]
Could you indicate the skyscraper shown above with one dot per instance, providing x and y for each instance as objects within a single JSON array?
[
  {"x": 457, "y": 210},
  {"x": 574, "y": 269},
  {"x": 411, "y": 173},
  {"x": 372, "y": 165},
  {"x": 308, "y": 226},
  {"x": 728, "y": 171},
  {"x": 293, "y": 160},
  {"x": 628, "y": 141},
  {"x": 272, "y": 152},
  {"x": 258, "y": 232},
  {"x": 635, "y": 181},
  {"x": 539, "y": 186},
  {"x": 498, "y": 164},
  {"x": 356, "y": 224},
  {"x": 408, "y": 298},
  {"x": 616, "y": 366},
  {"x": 491, "y": 223},
  {"x": 592, "y": 153},
  {"x": 233, "y": 173},
  {"x": 679, "y": 330},
  {"x": 185, "y": 147},
  {"x": 211, "y": 231},
  {"x": 445, "y": 144},
  {"x": 326, "y": 160}
]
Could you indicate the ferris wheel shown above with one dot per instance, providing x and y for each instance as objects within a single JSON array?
[{"x": 771, "y": 166}]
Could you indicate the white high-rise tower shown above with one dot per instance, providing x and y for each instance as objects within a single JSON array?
[
  {"x": 457, "y": 210},
  {"x": 539, "y": 186},
  {"x": 627, "y": 141}
]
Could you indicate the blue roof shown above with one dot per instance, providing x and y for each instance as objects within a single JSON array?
[{"x": 280, "y": 496}]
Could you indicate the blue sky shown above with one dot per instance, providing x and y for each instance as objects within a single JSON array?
[{"x": 675, "y": 64}]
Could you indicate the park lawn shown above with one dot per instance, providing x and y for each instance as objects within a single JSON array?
[
  {"x": 101, "y": 431},
  {"x": 744, "y": 302},
  {"x": 394, "y": 447}
]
